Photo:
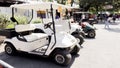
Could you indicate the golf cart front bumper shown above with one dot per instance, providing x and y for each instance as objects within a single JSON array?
[
  {"x": 71, "y": 44},
  {"x": 70, "y": 49}
]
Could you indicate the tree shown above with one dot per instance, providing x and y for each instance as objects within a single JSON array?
[
  {"x": 99, "y": 4},
  {"x": 61, "y": 1},
  {"x": 95, "y": 5}
]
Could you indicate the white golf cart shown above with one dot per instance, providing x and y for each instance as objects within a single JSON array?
[
  {"x": 62, "y": 25},
  {"x": 59, "y": 45}
]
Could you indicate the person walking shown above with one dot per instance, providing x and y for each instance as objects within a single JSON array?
[{"x": 107, "y": 21}]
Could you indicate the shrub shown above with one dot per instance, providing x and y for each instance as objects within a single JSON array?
[
  {"x": 4, "y": 21},
  {"x": 21, "y": 19},
  {"x": 37, "y": 20}
]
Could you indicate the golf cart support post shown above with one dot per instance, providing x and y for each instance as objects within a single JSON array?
[{"x": 53, "y": 26}]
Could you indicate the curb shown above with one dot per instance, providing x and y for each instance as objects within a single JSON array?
[{"x": 5, "y": 65}]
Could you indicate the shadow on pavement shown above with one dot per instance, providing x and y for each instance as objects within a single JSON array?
[
  {"x": 117, "y": 30},
  {"x": 90, "y": 38},
  {"x": 24, "y": 60}
]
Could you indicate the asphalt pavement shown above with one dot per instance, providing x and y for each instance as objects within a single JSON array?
[{"x": 100, "y": 52}]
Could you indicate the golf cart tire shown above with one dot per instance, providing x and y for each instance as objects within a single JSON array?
[
  {"x": 62, "y": 58},
  {"x": 75, "y": 50},
  {"x": 80, "y": 38},
  {"x": 10, "y": 49},
  {"x": 91, "y": 34}
]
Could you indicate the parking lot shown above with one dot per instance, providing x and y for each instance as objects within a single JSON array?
[{"x": 101, "y": 52}]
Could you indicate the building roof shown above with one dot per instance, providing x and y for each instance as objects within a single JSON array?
[{"x": 7, "y": 3}]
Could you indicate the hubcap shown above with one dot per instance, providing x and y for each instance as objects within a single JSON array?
[
  {"x": 8, "y": 50},
  {"x": 91, "y": 34},
  {"x": 60, "y": 59}
]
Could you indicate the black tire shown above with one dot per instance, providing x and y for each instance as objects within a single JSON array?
[
  {"x": 62, "y": 58},
  {"x": 10, "y": 49},
  {"x": 75, "y": 50},
  {"x": 91, "y": 34},
  {"x": 79, "y": 38}
]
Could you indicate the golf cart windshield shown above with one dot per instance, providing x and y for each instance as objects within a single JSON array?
[
  {"x": 44, "y": 13},
  {"x": 22, "y": 16}
]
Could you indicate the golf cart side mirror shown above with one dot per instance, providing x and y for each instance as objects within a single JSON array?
[{"x": 13, "y": 20}]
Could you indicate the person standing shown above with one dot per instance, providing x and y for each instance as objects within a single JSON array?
[{"x": 57, "y": 15}]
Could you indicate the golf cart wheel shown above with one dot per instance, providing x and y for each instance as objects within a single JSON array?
[
  {"x": 9, "y": 49},
  {"x": 79, "y": 38},
  {"x": 62, "y": 58},
  {"x": 91, "y": 34},
  {"x": 75, "y": 50}
]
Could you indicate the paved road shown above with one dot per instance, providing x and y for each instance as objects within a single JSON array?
[
  {"x": 31, "y": 61},
  {"x": 101, "y": 52}
]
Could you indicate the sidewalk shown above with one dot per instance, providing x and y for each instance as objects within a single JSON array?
[{"x": 1, "y": 48}]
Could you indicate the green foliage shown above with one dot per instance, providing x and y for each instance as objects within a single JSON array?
[
  {"x": 4, "y": 21},
  {"x": 11, "y": 25},
  {"x": 99, "y": 4},
  {"x": 95, "y": 5},
  {"x": 21, "y": 19},
  {"x": 61, "y": 1},
  {"x": 92, "y": 9},
  {"x": 37, "y": 20}
]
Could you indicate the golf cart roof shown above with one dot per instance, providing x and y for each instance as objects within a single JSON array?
[
  {"x": 7, "y": 3},
  {"x": 40, "y": 6}
]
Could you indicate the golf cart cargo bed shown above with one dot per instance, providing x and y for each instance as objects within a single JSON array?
[{"x": 8, "y": 33}]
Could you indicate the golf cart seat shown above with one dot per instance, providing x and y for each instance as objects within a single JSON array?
[
  {"x": 24, "y": 27},
  {"x": 29, "y": 36},
  {"x": 35, "y": 36}
]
